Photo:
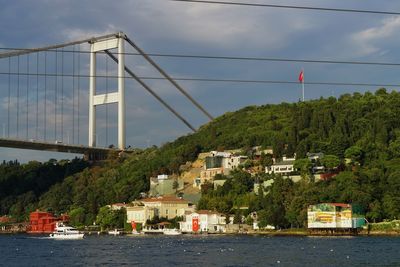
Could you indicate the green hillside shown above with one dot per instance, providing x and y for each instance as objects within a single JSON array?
[{"x": 364, "y": 127}]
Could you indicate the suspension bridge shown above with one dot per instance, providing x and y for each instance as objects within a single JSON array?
[{"x": 52, "y": 94}]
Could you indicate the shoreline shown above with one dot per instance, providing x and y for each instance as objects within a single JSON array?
[{"x": 282, "y": 233}]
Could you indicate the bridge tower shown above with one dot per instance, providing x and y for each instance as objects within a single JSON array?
[{"x": 104, "y": 44}]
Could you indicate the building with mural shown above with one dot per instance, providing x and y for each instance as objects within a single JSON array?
[{"x": 334, "y": 216}]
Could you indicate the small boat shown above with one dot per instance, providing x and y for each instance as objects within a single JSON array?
[
  {"x": 65, "y": 232},
  {"x": 172, "y": 232},
  {"x": 134, "y": 232},
  {"x": 114, "y": 232}
]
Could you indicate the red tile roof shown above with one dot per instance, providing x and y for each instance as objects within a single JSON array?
[{"x": 165, "y": 199}]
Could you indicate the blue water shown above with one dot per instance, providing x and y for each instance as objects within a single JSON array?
[{"x": 186, "y": 250}]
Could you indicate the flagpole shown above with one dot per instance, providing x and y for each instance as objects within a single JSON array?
[{"x": 302, "y": 84}]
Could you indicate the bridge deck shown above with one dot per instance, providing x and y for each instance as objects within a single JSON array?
[{"x": 56, "y": 147}]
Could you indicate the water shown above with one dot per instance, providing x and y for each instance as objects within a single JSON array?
[{"x": 186, "y": 250}]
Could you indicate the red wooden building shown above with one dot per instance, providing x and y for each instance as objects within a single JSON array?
[{"x": 44, "y": 222}]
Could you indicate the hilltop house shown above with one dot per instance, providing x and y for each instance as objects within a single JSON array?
[
  {"x": 219, "y": 163},
  {"x": 283, "y": 167},
  {"x": 164, "y": 185}
]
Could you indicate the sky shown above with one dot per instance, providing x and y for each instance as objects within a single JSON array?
[{"x": 168, "y": 27}]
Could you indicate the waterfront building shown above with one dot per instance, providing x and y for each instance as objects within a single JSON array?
[
  {"x": 334, "y": 216},
  {"x": 203, "y": 221},
  {"x": 168, "y": 207}
]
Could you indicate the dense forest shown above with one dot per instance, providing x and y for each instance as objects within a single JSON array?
[{"x": 364, "y": 128}]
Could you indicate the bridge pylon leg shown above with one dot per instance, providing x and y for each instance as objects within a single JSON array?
[{"x": 98, "y": 45}]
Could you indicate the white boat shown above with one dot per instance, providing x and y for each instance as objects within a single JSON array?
[
  {"x": 66, "y": 232},
  {"x": 134, "y": 232},
  {"x": 172, "y": 232},
  {"x": 114, "y": 232}
]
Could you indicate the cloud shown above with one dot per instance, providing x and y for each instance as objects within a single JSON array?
[
  {"x": 73, "y": 34},
  {"x": 220, "y": 26},
  {"x": 373, "y": 40}
]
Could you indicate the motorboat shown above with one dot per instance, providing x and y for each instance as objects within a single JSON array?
[
  {"x": 173, "y": 231},
  {"x": 114, "y": 232},
  {"x": 65, "y": 232},
  {"x": 135, "y": 232}
]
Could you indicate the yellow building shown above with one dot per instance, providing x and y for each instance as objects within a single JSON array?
[
  {"x": 139, "y": 214},
  {"x": 167, "y": 207}
]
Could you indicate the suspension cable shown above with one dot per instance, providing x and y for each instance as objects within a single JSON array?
[
  {"x": 55, "y": 99},
  {"x": 107, "y": 104},
  {"x": 79, "y": 80},
  {"x": 62, "y": 95},
  {"x": 73, "y": 96},
  {"x": 134, "y": 76},
  {"x": 163, "y": 73},
  {"x": 27, "y": 94},
  {"x": 18, "y": 71},
  {"x": 9, "y": 98},
  {"x": 45, "y": 94},
  {"x": 37, "y": 95}
]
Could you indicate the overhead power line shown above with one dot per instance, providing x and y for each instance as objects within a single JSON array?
[
  {"x": 292, "y": 7},
  {"x": 241, "y": 58},
  {"x": 211, "y": 79}
]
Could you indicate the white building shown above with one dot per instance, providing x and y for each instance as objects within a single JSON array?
[
  {"x": 203, "y": 221},
  {"x": 284, "y": 167},
  {"x": 219, "y": 163}
]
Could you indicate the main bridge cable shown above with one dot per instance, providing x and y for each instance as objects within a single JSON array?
[
  {"x": 291, "y": 7},
  {"x": 134, "y": 76},
  {"x": 163, "y": 73},
  {"x": 45, "y": 48}
]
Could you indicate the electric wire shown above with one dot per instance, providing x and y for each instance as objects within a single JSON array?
[
  {"x": 240, "y": 81},
  {"x": 244, "y": 58},
  {"x": 291, "y": 7}
]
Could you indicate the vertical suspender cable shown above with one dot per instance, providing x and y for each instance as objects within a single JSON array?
[
  {"x": 45, "y": 93},
  {"x": 27, "y": 95},
  {"x": 18, "y": 97},
  {"x": 79, "y": 80},
  {"x": 55, "y": 97},
  {"x": 106, "y": 104},
  {"x": 37, "y": 95},
  {"x": 73, "y": 94},
  {"x": 62, "y": 94},
  {"x": 9, "y": 97}
]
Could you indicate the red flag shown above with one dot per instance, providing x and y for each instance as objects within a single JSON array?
[
  {"x": 301, "y": 76},
  {"x": 195, "y": 224}
]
